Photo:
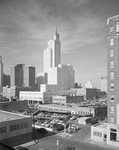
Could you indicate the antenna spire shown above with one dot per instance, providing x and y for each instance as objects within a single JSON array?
[{"x": 56, "y": 29}]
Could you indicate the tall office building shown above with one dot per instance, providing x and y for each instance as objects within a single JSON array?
[
  {"x": 52, "y": 55},
  {"x": 23, "y": 75},
  {"x": 1, "y": 77},
  {"x": 58, "y": 74},
  {"x": 29, "y": 75},
  {"x": 113, "y": 80}
]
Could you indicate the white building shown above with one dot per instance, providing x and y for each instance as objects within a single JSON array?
[
  {"x": 34, "y": 97},
  {"x": 1, "y": 77},
  {"x": 52, "y": 55}
]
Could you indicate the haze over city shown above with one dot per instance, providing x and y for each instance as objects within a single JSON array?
[{"x": 27, "y": 25}]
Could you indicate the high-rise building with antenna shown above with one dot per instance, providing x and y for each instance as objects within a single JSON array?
[{"x": 58, "y": 74}]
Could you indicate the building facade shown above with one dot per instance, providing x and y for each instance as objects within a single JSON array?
[
  {"x": 109, "y": 132},
  {"x": 113, "y": 80},
  {"x": 34, "y": 97},
  {"x": 1, "y": 78},
  {"x": 23, "y": 75},
  {"x": 15, "y": 129}
]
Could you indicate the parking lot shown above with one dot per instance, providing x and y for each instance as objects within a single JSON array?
[{"x": 53, "y": 120}]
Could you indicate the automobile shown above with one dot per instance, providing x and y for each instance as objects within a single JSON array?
[{"x": 42, "y": 124}]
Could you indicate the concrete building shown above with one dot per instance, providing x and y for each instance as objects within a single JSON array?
[
  {"x": 34, "y": 97},
  {"x": 1, "y": 78},
  {"x": 15, "y": 129},
  {"x": 104, "y": 84},
  {"x": 109, "y": 133},
  {"x": 23, "y": 75}
]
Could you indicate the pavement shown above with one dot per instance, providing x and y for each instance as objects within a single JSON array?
[
  {"x": 83, "y": 135},
  {"x": 102, "y": 144}
]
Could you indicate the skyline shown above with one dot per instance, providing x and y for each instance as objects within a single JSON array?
[{"x": 27, "y": 25}]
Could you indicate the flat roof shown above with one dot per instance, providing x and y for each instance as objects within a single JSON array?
[
  {"x": 111, "y": 18},
  {"x": 101, "y": 125},
  {"x": 7, "y": 116}
]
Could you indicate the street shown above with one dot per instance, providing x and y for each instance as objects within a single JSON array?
[{"x": 56, "y": 142}]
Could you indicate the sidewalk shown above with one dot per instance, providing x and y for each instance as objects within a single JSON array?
[{"x": 102, "y": 144}]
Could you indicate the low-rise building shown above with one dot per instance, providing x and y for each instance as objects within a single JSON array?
[
  {"x": 67, "y": 99},
  {"x": 13, "y": 105},
  {"x": 15, "y": 129},
  {"x": 34, "y": 97}
]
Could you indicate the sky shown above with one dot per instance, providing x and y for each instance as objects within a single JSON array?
[{"x": 27, "y": 25}]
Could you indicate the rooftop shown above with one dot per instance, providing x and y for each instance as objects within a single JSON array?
[
  {"x": 101, "y": 125},
  {"x": 7, "y": 116}
]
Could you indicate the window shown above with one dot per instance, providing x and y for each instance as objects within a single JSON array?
[
  {"x": 117, "y": 26},
  {"x": 111, "y": 29},
  {"x": 2, "y": 129},
  {"x": 111, "y": 64},
  {"x": 111, "y": 42},
  {"x": 112, "y": 97},
  {"x": 112, "y": 119},
  {"x": 112, "y": 86},
  {"x": 112, "y": 75},
  {"x": 111, "y": 53},
  {"x": 112, "y": 109},
  {"x": 97, "y": 134}
]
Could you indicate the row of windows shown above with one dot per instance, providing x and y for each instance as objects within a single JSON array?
[
  {"x": 2, "y": 129},
  {"x": 58, "y": 99},
  {"x": 97, "y": 134},
  {"x": 18, "y": 126}
]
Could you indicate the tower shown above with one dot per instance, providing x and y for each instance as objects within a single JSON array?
[
  {"x": 52, "y": 55},
  {"x": 113, "y": 79},
  {"x": 1, "y": 77}
]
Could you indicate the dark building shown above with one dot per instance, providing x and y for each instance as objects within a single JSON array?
[
  {"x": 95, "y": 94},
  {"x": 23, "y": 75},
  {"x": 6, "y": 80}
]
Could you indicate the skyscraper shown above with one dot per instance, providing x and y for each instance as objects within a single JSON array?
[
  {"x": 58, "y": 74},
  {"x": 52, "y": 55},
  {"x": 1, "y": 77},
  {"x": 113, "y": 79},
  {"x": 23, "y": 75}
]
